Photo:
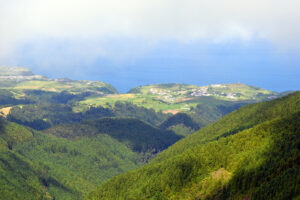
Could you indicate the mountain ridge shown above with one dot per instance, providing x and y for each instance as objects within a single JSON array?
[
  {"x": 204, "y": 104},
  {"x": 255, "y": 158}
]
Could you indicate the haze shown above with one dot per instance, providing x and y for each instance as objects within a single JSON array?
[{"x": 136, "y": 42}]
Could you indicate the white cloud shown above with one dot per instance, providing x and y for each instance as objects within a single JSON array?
[{"x": 218, "y": 20}]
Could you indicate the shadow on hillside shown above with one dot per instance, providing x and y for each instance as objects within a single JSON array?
[
  {"x": 1, "y": 125},
  {"x": 141, "y": 136},
  {"x": 278, "y": 176}
]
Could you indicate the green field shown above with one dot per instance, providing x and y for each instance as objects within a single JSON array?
[
  {"x": 73, "y": 87},
  {"x": 174, "y": 98},
  {"x": 20, "y": 81},
  {"x": 146, "y": 101}
]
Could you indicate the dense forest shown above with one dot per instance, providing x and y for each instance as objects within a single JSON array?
[
  {"x": 252, "y": 153},
  {"x": 43, "y": 116},
  {"x": 137, "y": 135},
  {"x": 62, "y": 139},
  {"x": 35, "y": 165}
]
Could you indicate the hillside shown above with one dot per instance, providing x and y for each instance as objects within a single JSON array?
[
  {"x": 80, "y": 165},
  {"x": 175, "y": 92},
  {"x": 12, "y": 134},
  {"x": 38, "y": 166},
  {"x": 30, "y": 100},
  {"x": 246, "y": 117},
  {"x": 20, "y": 179},
  {"x": 43, "y": 116},
  {"x": 174, "y": 98},
  {"x": 40, "y": 102},
  {"x": 135, "y": 134},
  {"x": 203, "y": 105},
  {"x": 27, "y": 86},
  {"x": 251, "y": 153},
  {"x": 90, "y": 133},
  {"x": 181, "y": 124},
  {"x": 70, "y": 160},
  {"x": 16, "y": 172},
  {"x": 7, "y": 99}
]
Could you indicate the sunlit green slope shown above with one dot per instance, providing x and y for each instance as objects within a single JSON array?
[
  {"x": 174, "y": 98},
  {"x": 12, "y": 134},
  {"x": 80, "y": 165},
  {"x": 68, "y": 161},
  {"x": 19, "y": 178},
  {"x": 252, "y": 153},
  {"x": 27, "y": 86},
  {"x": 34, "y": 165}
]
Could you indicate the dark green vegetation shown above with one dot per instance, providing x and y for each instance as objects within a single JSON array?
[
  {"x": 206, "y": 111},
  {"x": 12, "y": 134},
  {"x": 72, "y": 159},
  {"x": 40, "y": 103},
  {"x": 77, "y": 165},
  {"x": 7, "y": 99},
  {"x": 252, "y": 153},
  {"x": 181, "y": 124},
  {"x": 38, "y": 166},
  {"x": 43, "y": 116},
  {"x": 140, "y": 137},
  {"x": 19, "y": 178},
  {"x": 209, "y": 110},
  {"x": 203, "y": 105},
  {"x": 79, "y": 134}
]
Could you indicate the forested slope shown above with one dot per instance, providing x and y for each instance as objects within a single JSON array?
[
  {"x": 139, "y": 136},
  {"x": 19, "y": 178},
  {"x": 34, "y": 165},
  {"x": 80, "y": 165},
  {"x": 252, "y": 153},
  {"x": 43, "y": 116},
  {"x": 69, "y": 160},
  {"x": 243, "y": 118}
]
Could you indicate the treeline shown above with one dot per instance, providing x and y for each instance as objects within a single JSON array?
[
  {"x": 43, "y": 116},
  {"x": 8, "y": 99}
]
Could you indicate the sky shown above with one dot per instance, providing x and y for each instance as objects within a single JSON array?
[{"x": 129, "y": 43}]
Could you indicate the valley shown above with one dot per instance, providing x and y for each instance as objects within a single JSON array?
[
  {"x": 69, "y": 139},
  {"x": 250, "y": 153}
]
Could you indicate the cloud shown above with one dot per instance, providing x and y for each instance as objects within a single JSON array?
[{"x": 151, "y": 20}]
